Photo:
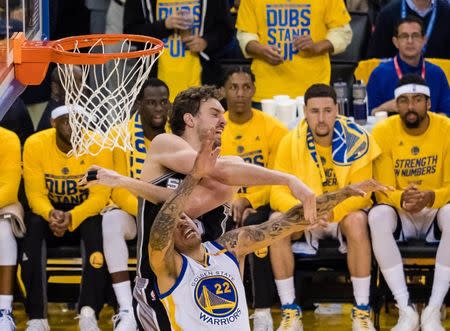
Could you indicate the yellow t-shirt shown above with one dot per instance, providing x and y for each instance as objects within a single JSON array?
[
  {"x": 276, "y": 22},
  {"x": 51, "y": 179},
  {"x": 305, "y": 169},
  {"x": 325, "y": 154},
  {"x": 257, "y": 143},
  {"x": 177, "y": 66},
  {"x": 130, "y": 164},
  {"x": 422, "y": 160},
  {"x": 10, "y": 165}
]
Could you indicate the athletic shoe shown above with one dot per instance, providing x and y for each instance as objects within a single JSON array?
[
  {"x": 262, "y": 320},
  {"x": 38, "y": 325},
  {"x": 124, "y": 321},
  {"x": 7, "y": 320},
  {"x": 408, "y": 319},
  {"x": 87, "y": 319},
  {"x": 361, "y": 319},
  {"x": 430, "y": 320},
  {"x": 291, "y": 318}
]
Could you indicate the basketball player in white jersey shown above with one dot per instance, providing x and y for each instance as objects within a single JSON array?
[
  {"x": 194, "y": 113},
  {"x": 200, "y": 283}
]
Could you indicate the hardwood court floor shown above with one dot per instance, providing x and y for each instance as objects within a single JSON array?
[{"x": 62, "y": 319}]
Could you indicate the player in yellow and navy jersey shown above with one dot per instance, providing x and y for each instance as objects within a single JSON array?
[
  {"x": 290, "y": 42},
  {"x": 327, "y": 152},
  {"x": 9, "y": 208},
  {"x": 62, "y": 212},
  {"x": 415, "y": 161},
  {"x": 254, "y": 136},
  {"x": 119, "y": 223}
]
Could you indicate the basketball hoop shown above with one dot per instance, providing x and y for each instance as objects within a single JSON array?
[{"x": 100, "y": 105}]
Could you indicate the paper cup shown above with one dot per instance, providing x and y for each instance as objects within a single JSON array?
[
  {"x": 269, "y": 106},
  {"x": 281, "y": 97},
  {"x": 381, "y": 115},
  {"x": 286, "y": 111},
  {"x": 371, "y": 119}
]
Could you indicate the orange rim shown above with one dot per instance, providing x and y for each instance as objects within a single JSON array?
[
  {"x": 69, "y": 43},
  {"x": 31, "y": 58}
]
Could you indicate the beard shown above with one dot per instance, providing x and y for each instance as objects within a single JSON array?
[
  {"x": 159, "y": 126},
  {"x": 217, "y": 139},
  {"x": 217, "y": 142},
  {"x": 321, "y": 130},
  {"x": 322, "y": 134},
  {"x": 412, "y": 124},
  {"x": 64, "y": 139}
]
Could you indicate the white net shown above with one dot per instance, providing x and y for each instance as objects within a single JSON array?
[{"x": 101, "y": 97}]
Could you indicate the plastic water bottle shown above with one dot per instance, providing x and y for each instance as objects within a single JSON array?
[
  {"x": 341, "y": 90},
  {"x": 359, "y": 102}
]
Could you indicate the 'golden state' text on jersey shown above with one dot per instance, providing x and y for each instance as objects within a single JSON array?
[{"x": 208, "y": 297}]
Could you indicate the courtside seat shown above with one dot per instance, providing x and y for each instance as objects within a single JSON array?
[
  {"x": 324, "y": 277},
  {"x": 343, "y": 65},
  {"x": 64, "y": 271},
  {"x": 418, "y": 259},
  {"x": 355, "y": 52}
]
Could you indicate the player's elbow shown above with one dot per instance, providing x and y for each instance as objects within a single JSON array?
[{"x": 225, "y": 170}]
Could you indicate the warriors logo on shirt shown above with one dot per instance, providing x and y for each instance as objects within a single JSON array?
[
  {"x": 217, "y": 298},
  {"x": 415, "y": 150}
]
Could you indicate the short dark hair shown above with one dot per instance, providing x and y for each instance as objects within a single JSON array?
[
  {"x": 238, "y": 70},
  {"x": 409, "y": 19},
  {"x": 411, "y": 79},
  {"x": 188, "y": 101},
  {"x": 152, "y": 82},
  {"x": 320, "y": 91}
]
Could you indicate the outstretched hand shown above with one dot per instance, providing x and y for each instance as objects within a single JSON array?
[
  {"x": 96, "y": 175},
  {"x": 207, "y": 156},
  {"x": 368, "y": 186}
]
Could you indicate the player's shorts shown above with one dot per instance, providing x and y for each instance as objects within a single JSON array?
[
  {"x": 309, "y": 244},
  {"x": 422, "y": 225}
]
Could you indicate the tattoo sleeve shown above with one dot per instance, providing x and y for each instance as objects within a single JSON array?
[
  {"x": 161, "y": 233},
  {"x": 250, "y": 238}
]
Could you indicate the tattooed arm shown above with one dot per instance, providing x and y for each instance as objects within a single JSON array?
[
  {"x": 248, "y": 239},
  {"x": 164, "y": 260},
  {"x": 163, "y": 257}
]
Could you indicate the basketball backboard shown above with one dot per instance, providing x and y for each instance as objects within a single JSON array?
[{"x": 30, "y": 17}]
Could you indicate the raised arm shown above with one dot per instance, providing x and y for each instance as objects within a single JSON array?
[
  {"x": 161, "y": 247},
  {"x": 248, "y": 239},
  {"x": 164, "y": 260},
  {"x": 101, "y": 176},
  {"x": 176, "y": 154}
]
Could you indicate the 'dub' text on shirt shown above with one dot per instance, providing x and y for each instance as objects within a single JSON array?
[
  {"x": 253, "y": 157},
  {"x": 174, "y": 44},
  {"x": 64, "y": 189},
  {"x": 285, "y": 22}
]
